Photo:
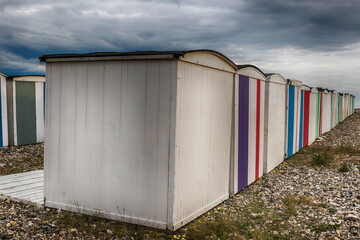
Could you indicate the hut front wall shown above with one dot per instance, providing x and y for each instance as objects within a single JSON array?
[
  {"x": 275, "y": 128},
  {"x": 313, "y": 105},
  {"x": 326, "y": 113},
  {"x": 204, "y": 108},
  {"x": 294, "y": 108},
  {"x": 249, "y": 131},
  {"x": 107, "y": 138}
]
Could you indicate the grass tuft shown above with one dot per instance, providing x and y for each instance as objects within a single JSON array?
[
  {"x": 321, "y": 159},
  {"x": 344, "y": 168}
]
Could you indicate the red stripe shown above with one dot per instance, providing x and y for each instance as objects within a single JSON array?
[
  {"x": 257, "y": 129},
  {"x": 320, "y": 114},
  {"x": 306, "y": 118}
]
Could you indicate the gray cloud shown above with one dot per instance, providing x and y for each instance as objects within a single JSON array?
[{"x": 314, "y": 41}]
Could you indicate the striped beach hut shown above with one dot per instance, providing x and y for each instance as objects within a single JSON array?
[
  {"x": 341, "y": 107},
  {"x": 326, "y": 111},
  {"x": 313, "y": 114},
  {"x": 293, "y": 118},
  {"x": 304, "y": 116},
  {"x": 249, "y": 126},
  {"x": 26, "y": 109},
  {"x": 275, "y": 121},
  {"x": 334, "y": 108},
  {"x": 3, "y": 112}
]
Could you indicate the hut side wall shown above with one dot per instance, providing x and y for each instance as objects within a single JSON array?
[
  {"x": 39, "y": 97},
  {"x": 3, "y": 113},
  {"x": 313, "y": 116},
  {"x": 306, "y": 118},
  {"x": 275, "y": 126},
  {"x": 327, "y": 115},
  {"x": 294, "y": 107},
  {"x": 249, "y": 131},
  {"x": 203, "y": 138},
  {"x": 107, "y": 138}
]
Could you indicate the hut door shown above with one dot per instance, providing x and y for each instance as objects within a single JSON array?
[{"x": 25, "y": 113}]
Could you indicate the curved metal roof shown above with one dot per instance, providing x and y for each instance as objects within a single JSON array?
[
  {"x": 242, "y": 66},
  {"x": 175, "y": 54},
  {"x": 16, "y": 76}
]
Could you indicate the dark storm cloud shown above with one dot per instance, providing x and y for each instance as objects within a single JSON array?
[
  {"x": 324, "y": 24},
  {"x": 277, "y": 35}
]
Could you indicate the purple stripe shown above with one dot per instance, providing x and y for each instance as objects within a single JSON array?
[{"x": 243, "y": 132}]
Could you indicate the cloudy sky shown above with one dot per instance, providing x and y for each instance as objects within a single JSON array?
[{"x": 317, "y": 42}]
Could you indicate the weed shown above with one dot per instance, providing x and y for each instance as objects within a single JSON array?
[
  {"x": 321, "y": 159},
  {"x": 344, "y": 168},
  {"x": 323, "y": 227},
  {"x": 290, "y": 205}
]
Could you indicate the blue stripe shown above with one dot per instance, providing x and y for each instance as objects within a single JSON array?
[
  {"x": 301, "y": 120},
  {"x": 291, "y": 121},
  {"x": 1, "y": 127}
]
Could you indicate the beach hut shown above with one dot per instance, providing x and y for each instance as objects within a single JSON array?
[
  {"x": 25, "y": 99},
  {"x": 341, "y": 107},
  {"x": 313, "y": 115},
  {"x": 275, "y": 121},
  {"x": 326, "y": 111},
  {"x": 293, "y": 118},
  {"x": 334, "y": 108},
  {"x": 304, "y": 116},
  {"x": 142, "y": 137},
  {"x": 3, "y": 112},
  {"x": 247, "y": 166}
]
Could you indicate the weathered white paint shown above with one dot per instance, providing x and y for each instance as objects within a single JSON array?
[
  {"x": 275, "y": 130},
  {"x": 313, "y": 114},
  {"x": 3, "y": 102},
  {"x": 203, "y": 134},
  {"x": 39, "y": 103},
  {"x": 326, "y": 112},
  {"x": 145, "y": 141}
]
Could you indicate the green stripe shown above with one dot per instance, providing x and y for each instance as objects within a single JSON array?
[{"x": 318, "y": 115}]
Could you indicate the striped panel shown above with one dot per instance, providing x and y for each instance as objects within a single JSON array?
[
  {"x": 291, "y": 121},
  {"x": 306, "y": 118},
  {"x": 1, "y": 125},
  {"x": 243, "y": 131},
  {"x": 301, "y": 131},
  {"x": 297, "y": 99},
  {"x": 257, "y": 153},
  {"x": 320, "y": 113}
]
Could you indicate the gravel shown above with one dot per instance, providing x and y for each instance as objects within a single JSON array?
[{"x": 295, "y": 201}]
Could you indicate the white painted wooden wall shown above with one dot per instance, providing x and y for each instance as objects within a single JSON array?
[
  {"x": 203, "y": 136},
  {"x": 107, "y": 139},
  {"x": 4, "y": 119},
  {"x": 313, "y": 115},
  {"x": 274, "y": 153}
]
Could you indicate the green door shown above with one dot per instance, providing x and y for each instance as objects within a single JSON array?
[{"x": 25, "y": 113}]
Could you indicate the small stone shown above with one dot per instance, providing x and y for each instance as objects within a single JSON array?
[
  {"x": 109, "y": 232},
  {"x": 73, "y": 230},
  {"x": 351, "y": 217}
]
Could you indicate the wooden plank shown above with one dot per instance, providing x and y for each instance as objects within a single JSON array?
[
  {"x": 22, "y": 188},
  {"x": 24, "y": 182},
  {"x": 16, "y": 177},
  {"x": 38, "y": 192}
]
